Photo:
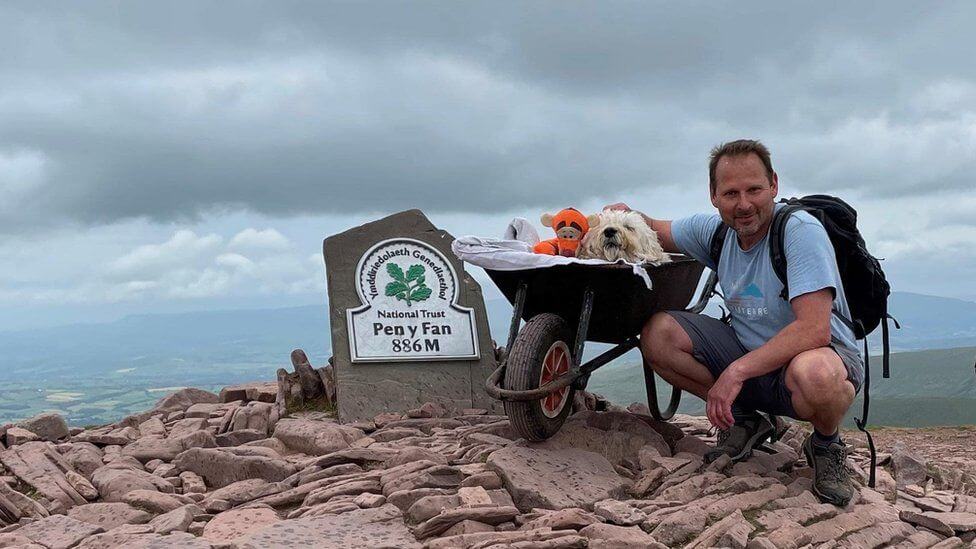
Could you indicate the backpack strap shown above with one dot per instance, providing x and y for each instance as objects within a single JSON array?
[
  {"x": 715, "y": 253},
  {"x": 718, "y": 241},
  {"x": 777, "y": 245},
  {"x": 862, "y": 422},
  {"x": 885, "y": 371}
]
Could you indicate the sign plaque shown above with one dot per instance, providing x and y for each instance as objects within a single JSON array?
[{"x": 409, "y": 292}]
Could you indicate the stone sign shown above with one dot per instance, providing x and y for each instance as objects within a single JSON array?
[{"x": 408, "y": 324}]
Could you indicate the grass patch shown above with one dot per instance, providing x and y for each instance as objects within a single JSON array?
[
  {"x": 320, "y": 404},
  {"x": 752, "y": 516}
]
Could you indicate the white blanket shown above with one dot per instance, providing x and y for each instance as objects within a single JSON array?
[{"x": 516, "y": 255}]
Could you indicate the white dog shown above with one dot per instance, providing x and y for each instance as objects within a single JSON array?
[{"x": 616, "y": 234}]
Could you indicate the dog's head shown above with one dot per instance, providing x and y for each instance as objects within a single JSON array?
[{"x": 616, "y": 234}]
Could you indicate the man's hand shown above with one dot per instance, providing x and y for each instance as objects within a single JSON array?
[
  {"x": 718, "y": 407},
  {"x": 618, "y": 206}
]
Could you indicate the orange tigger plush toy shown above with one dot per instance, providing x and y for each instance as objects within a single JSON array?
[{"x": 570, "y": 226}]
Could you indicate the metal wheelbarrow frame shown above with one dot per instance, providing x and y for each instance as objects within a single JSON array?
[{"x": 566, "y": 305}]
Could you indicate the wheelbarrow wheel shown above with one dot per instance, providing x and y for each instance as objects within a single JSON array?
[{"x": 541, "y": 353}]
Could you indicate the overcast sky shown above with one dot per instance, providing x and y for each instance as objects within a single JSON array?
[{"x": 171, "y": 156}]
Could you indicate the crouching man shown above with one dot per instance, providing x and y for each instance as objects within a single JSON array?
[{"x": 786, "y": 357}]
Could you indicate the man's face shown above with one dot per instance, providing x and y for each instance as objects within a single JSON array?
[{"x": 744, "y": 195}]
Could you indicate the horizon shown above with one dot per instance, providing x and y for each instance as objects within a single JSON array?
[{"x": 490, "y": 292}]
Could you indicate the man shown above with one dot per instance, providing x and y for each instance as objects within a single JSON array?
[{"x": 787, "y": 358}]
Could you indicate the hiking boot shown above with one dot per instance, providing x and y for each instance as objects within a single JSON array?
[
  {"x": 738, "y": 441},
  {"x": 831, "y": 481}
]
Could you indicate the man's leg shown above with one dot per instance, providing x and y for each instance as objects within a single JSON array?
[
  {"x": 667, "y": 349},
  {"x": 821, "y": 394},
  {"x": 690, "y": 351}
]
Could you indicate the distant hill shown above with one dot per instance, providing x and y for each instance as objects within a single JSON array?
[
  {"x": 95, "y": 372},
  {"x": 207, "y": 337},
  {"x": 934, "y": 387},
  {"x": 930, "y": 322},
  {"x": 927, "y": 322}
]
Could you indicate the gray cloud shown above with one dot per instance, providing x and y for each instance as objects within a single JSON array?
[{"x": 173, "y": 112}]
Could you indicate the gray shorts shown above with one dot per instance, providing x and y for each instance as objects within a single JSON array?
[{"x": 715, "y": 345}]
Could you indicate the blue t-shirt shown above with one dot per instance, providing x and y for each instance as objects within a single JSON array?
[{"x": 750, "y": 285}]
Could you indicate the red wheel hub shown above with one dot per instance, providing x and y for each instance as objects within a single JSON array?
[{"x": 554, "y": 365}]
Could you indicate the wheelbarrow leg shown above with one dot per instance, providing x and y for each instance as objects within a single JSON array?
[
  {"x": 649, "y": 384},
  {"x": 517, "y": 310},
  {"x": 652, "y": 403},
  {"x": 581, "y": 330}
]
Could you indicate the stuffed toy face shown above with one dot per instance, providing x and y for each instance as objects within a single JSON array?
[{"x": 570, "y": 226}]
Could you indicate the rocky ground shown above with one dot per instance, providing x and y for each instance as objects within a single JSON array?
[
  {"x": 946, "y": 447},
  {"x": 206, "y": 470}
]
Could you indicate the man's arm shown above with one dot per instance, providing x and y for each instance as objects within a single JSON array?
[
  {"x": 661, "y": 226},
  {"x": 810, "y": 330}
]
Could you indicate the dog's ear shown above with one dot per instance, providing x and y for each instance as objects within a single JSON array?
[
  {"x": 547, "y": 220},
  {"x": 593, "y": 220}
]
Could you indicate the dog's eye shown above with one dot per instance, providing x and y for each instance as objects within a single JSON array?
[{"x": 629, "y": 227}]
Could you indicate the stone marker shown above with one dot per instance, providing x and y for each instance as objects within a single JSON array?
[{"x": 408, "y": 324}]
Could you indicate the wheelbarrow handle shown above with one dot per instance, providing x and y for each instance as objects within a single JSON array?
[
  {"x": 652, "y": 403},
  {"x": 495, "y": 391}
]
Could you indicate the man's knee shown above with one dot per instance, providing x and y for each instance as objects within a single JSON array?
[
  {"x": 819, "y": 373},
  {"x": 662, "y": 333}
]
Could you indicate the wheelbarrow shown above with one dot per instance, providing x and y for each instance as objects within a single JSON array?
[{"x": 563, "y": 307}]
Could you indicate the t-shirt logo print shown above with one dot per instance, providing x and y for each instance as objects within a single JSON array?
[
  {"x": 749, "y": 301},
  {"x": 752, "y": 291}
]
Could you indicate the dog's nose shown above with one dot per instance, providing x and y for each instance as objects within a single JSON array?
[{"x": 609, "y": 232}]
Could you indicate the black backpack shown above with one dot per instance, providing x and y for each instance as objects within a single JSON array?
[{"x": 865, "y": 285}]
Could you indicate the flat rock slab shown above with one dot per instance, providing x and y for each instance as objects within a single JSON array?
[
  {"x": 771, "y": 520},
  {"x": 244, "y": 491},
  {"x": 880, "y": 535},
  {"x": 315, "y": 438},
  {"x": 229, "y": 526},
  {"x": 608, "y": 536},
  {"x": 177, "y": 520},
  {"x": 573, "y": 519},
  {"x": 521, "y": 538},
  {"x": 449, "y": 517},
  {"x": 115, "y": 540},
  {"x": 928, "y": 520},
  {"x": 220, "y": 468},
  {"x": 556, "y": 479},
  {"x": 109, "y": 515},
  {"x": 58, "y": 531},
  {"x": 616, "y": 436},
  {"x": 843, "y": 524},
  {"x": 379, "y": 528},
  {"x": 960, "y": 522},
  {"x": 152, "y": 501},
  {"x": 114, "y": 483}
]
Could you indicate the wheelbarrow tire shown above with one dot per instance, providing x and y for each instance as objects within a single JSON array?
[{"x": 545, "y": 335}]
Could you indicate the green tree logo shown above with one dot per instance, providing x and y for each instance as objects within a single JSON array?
[{"x": 409, "y": 287}]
